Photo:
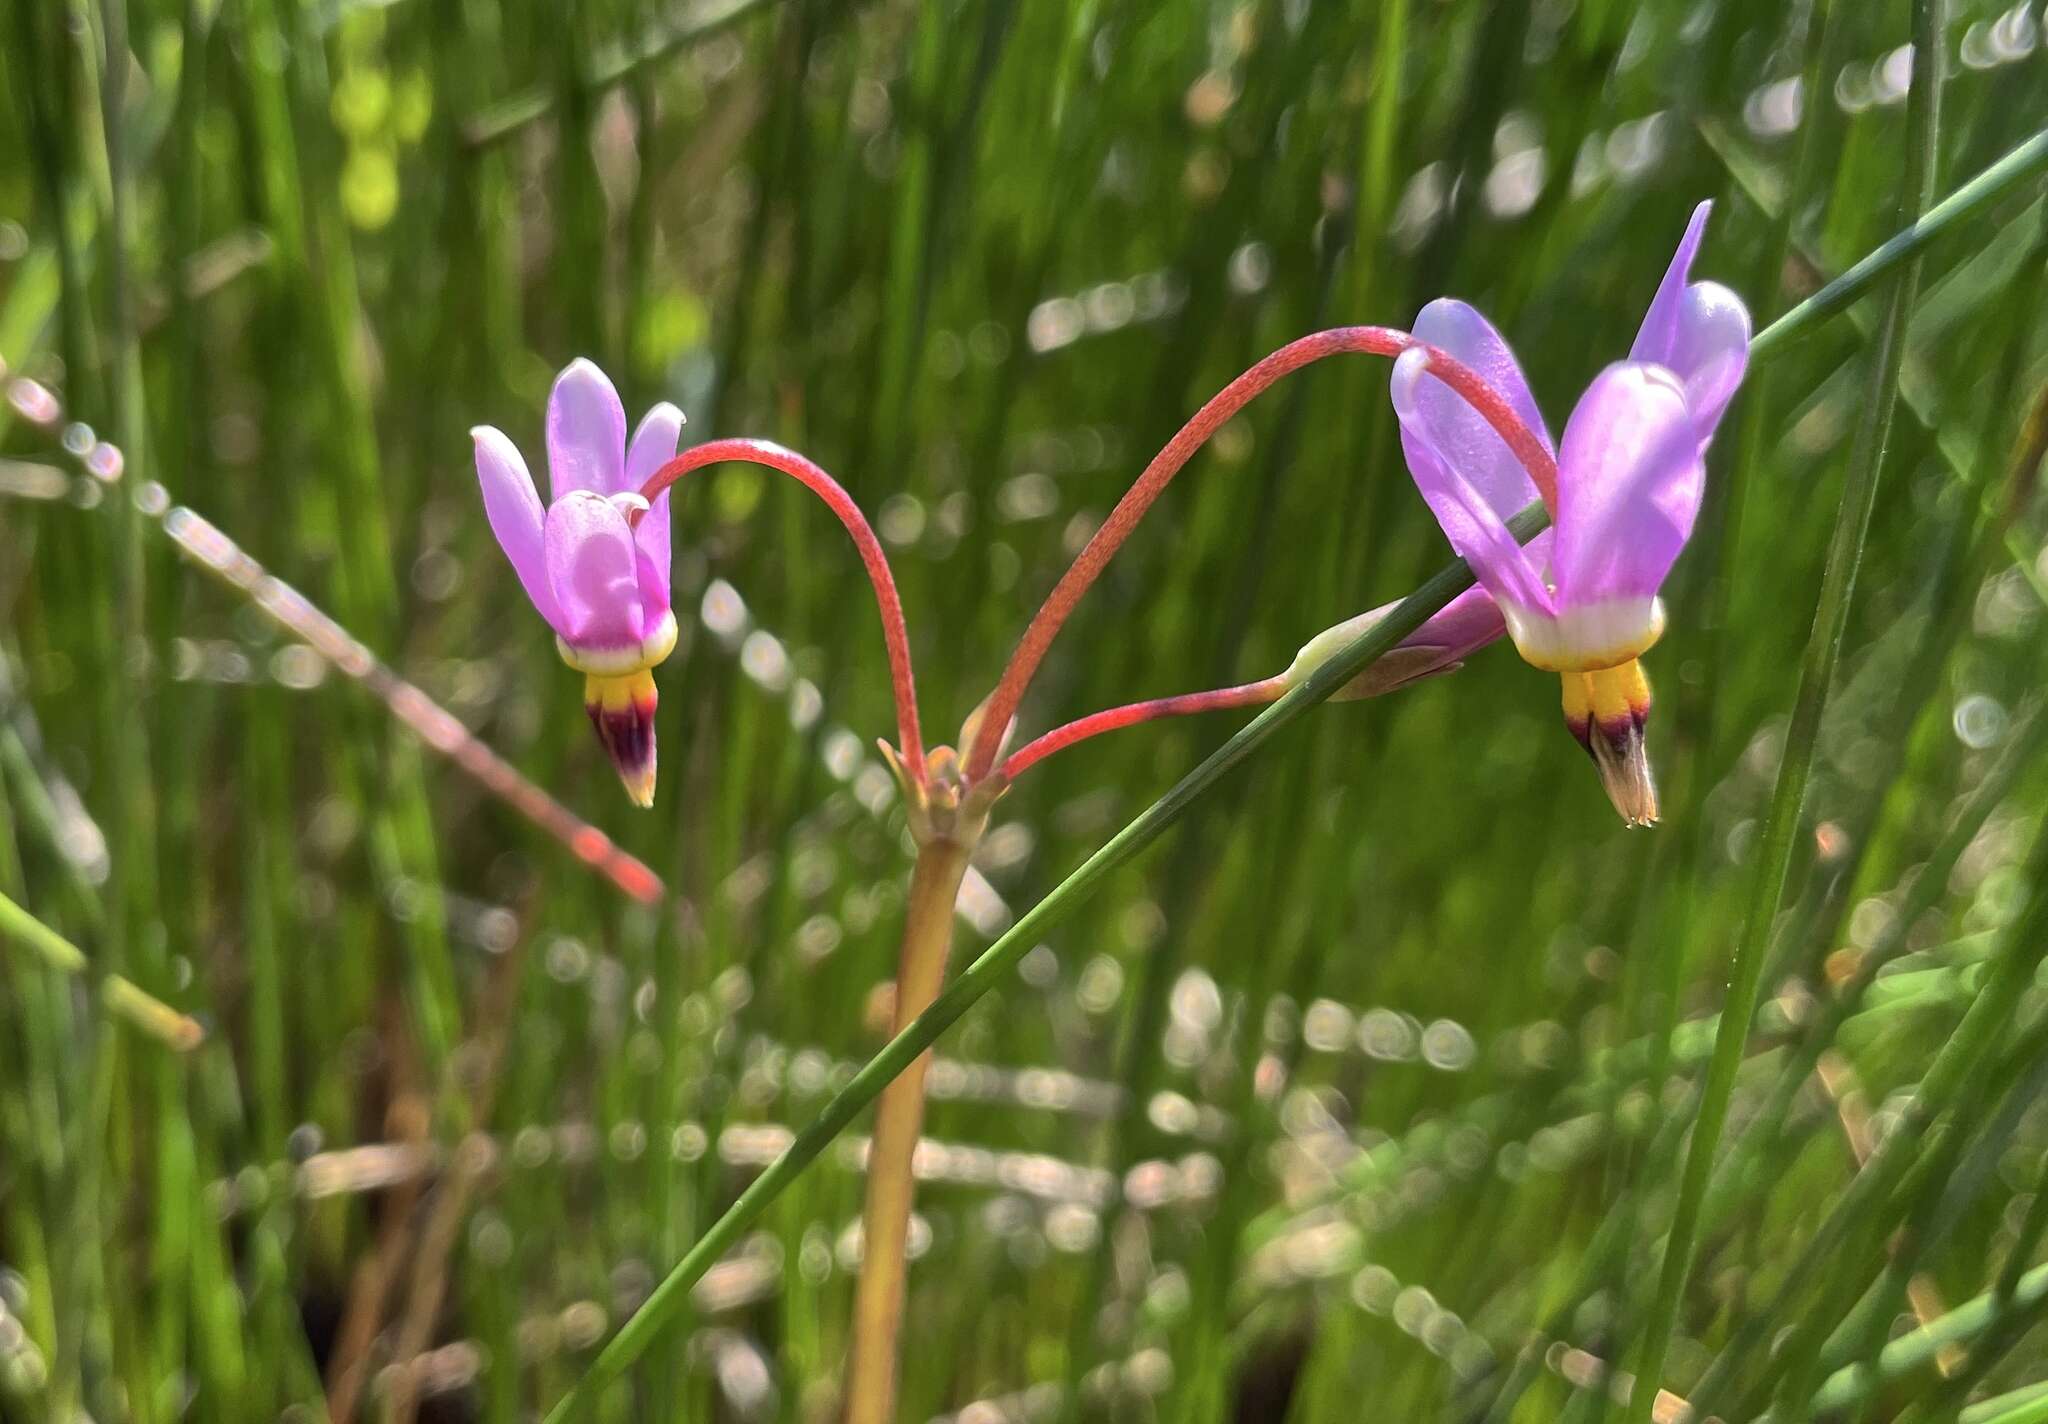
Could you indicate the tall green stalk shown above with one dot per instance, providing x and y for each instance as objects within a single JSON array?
[{"x": 1816, "y": 678}]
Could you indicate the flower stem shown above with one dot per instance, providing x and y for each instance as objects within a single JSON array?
[
  {"x": 1112, "y": 719},
  {"x": 813, "y": 477},
  {"x": 1088, "y": 565},
  {"x": 1816, "y": 677},
  {"x": 872, "y": 1365}
]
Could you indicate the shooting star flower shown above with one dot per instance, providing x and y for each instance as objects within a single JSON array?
[
  {"x": 1581, "y": 600},
  {"x": 600, "y": 580}
]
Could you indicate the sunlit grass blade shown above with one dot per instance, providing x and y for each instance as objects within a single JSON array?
[
  {"x": 123, "y": 998},
  {"x": 2022, "y": 163},
  {"x": 1816, "y": 679},
  {"x": 1916, "y": 1349}
]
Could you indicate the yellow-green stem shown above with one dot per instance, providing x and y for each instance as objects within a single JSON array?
[
  {"x": 122, "y": 997},
  {"x": 871, "y": 1367}
]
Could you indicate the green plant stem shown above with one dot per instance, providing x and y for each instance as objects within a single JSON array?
[
  {"x": 1816, "y": 678},
  {"x": 1833, "y": 1245},
  {"x": 872, "y": 1366},
  {"x": 2026, "y": 1405},
  {"x": 1915, "y": 1349},
  {"x": 2023, "y": 162},
  {"x": 1765, "y": 1136},
  {"x": 2004, "y": 1333},
  {"x": 122, "y": 997}
]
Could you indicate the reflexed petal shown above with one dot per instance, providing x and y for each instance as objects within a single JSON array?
[
  {"x": 1711, "y": 352},
  {"x": 586, "y": 432},
  {"x": 1629, "y": 481},
  {"x": 654, "y": 445},
  {"x": 1472, "y": 620},
  {"x": 1658, "y": 336},
  {"x": 1461, "y": 434},
  {"x": 1700, "y": 330},
  {"x": 1476, "y": 528},
  {"x": 1453, "y": 633},
  {"x": 590, "y": 562},
  {"x": 515, "y": 515}
]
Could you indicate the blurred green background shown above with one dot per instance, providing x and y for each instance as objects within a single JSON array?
[{"x": 1359, "y": 1098}]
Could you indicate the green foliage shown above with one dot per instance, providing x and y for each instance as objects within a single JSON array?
[{"x": 1367, "y": 1094}]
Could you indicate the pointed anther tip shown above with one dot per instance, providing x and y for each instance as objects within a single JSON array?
[
  {"x": 621, "y": 711},
  {"x": 1624, "y": 768},
  {"x": 1605, "y": 711}
]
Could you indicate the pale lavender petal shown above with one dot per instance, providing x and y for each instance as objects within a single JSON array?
[
  {"x": 1658, "y": 337},
  {"x": 590, "y": 561},
  {"x": 1711, "y": 352},
  {"x": 515, "y": 515},
  {"x": 654, "y": 445},
  {"x": 586, "y": 432},
  {"x": 1453, "y": 633},
  {"x": 1629, "y": 480},
  {"x": 1700, "y": 330},
  {"x": 1472, "y": 620},
  {"x": 1461, "y": 435},
  {"x": 1475, "y": 526}
]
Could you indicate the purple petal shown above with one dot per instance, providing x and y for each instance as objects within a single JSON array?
[
  {"x": 1658, "y": 336},
  {"x": 1476, "y": 527},
  {"x": 515, "y": 515},
  {"x": 1461, "y": 435},
  {"x": 591, "y": 567},
  {"x": 1472, "y": 620},
  {"x": 1629, "y": 480},
  {"x": 654, "y": 445},
  {"x": 1453, "y": 633},
  {"x": 1711, "y": 352},
  {"x": 1700, "y": 330},
  {"x": 586, "y": 432}
]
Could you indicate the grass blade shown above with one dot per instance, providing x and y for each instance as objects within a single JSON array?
[{"x": 1816, "y": 679}]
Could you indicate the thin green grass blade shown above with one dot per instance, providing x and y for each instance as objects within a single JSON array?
[{"x": 1816, "y": 679}]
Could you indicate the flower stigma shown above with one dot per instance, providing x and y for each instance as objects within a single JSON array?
[
  {"x": 620, "y": 697},
  {"x": 1606, "y": 709}
]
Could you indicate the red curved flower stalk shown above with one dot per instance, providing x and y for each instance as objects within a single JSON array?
[
  {"x": 1088, "y": 565},
  {"x": 813, "y": 477}
]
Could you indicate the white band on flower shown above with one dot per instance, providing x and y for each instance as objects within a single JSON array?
[
  {"x": 623, "y": 661},
  {"x": 1603, "y": 634}
]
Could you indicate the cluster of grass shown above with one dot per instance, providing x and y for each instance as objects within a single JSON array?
[{"x": 1368, "y": 1091}]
